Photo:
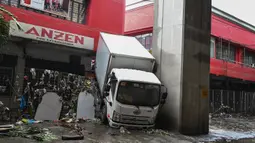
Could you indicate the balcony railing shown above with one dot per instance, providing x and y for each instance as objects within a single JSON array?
[
  {"x": 238, "y": 63},
  {"x": 75, "y": 10}
]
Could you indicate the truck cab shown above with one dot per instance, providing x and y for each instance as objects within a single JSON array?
[
  {"x": 127, "y": 92},
  {"x": 132, "y": 98}
]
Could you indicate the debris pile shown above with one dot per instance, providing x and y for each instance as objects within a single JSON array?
[
  {"x": 124, "y": 130},
  {"x": 32, "y": 132},
  {"x": 221, "y": 112},
  {"x": 4, "y": 112},
  {"x": 51, "y": 96},
  {"x": 67, "y": 86},
  {"x": 157, "y": 131}
]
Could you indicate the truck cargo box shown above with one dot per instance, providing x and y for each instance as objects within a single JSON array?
[{"x": 117, "y": 51}]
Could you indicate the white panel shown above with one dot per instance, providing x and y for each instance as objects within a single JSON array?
[
  {"x": 131, "y": 63},
  {"x": 125, "y": 45},
  {"x": 102, "y": 59}
]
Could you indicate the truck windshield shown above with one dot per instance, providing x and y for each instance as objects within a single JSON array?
[{"x": 138, "y": 94}]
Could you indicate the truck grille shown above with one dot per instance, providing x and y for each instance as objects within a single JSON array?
[{"x": 135, "y": 120}]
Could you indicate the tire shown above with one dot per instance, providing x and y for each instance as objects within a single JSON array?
[{"x": 103, "y": 118}]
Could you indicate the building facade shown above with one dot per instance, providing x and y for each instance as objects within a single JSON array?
[
  {"x": 59, "y": 35},
  {"x": 232, "y": 65}
]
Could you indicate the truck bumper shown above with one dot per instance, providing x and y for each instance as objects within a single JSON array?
[{"x": 118, "y": 125}]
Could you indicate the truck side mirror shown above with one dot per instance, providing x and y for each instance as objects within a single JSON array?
[{"x": 164, "y": 95}]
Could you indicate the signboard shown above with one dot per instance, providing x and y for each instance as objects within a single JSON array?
[
  {"x": 58, "y": 7},
  {"x": 204, "y": 92},
  {"x": 39, "y": 33}
]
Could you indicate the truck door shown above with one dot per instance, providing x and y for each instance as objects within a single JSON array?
[{"x": 111, "y": 97}]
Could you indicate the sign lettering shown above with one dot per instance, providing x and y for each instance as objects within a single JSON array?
[{"x": 52, "y": 36}]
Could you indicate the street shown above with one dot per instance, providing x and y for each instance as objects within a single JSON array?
[{"x": 223, "y": 128}]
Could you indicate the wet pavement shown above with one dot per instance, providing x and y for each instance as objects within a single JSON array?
[{"x": 223, "y": 129}]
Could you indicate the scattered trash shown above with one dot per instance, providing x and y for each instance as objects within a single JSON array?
[
  {"x": 157, "y": 131},
  {"x": 38, "y": 82},
  {"x": 220, "y": 111},
  {"x": 74, "y": 137},
  {"x": 94, "y": 121},
  {"x": 124, "y": 130},
  {"x": 113, "y": 132},
  {"x": 4, "y": 112},
  {"x": 7, "y": 126},
  {"x": 31, "y": 132},
  {"x": 69, "y": 120},
  {"x": 4, "y": 130},
  {"x": 74, "y": 127},
  {"x": 19, "y": 123},
  {"x": 30, "y": 121}
]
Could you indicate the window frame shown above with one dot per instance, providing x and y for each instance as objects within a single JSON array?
[{"x": 212, "y": 48}]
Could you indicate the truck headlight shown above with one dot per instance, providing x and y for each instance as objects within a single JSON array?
[{"x": 116, "y": 116}]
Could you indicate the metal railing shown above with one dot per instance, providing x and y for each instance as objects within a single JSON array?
[{"x": 232, "y": 101}]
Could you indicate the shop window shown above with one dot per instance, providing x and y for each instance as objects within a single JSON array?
[
  {"x": 225, "y": 51},
  {"x": 212, "y": 48},
  {"x": 249, "y": 58}
]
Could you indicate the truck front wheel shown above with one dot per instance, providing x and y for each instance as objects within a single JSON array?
[{"x": 104, "y": 116}]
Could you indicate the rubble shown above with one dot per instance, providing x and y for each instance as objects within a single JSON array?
[
  {"x": 157, "y": 131},
  {"x": 68, "y": 86},
  {"x": 94, "y": 121},
  {"x": 74, "y": 137},
  {"x": 124, "y": 130},
  {"x": 31, "y": 132},
  {"x": 4, "y": 112}
]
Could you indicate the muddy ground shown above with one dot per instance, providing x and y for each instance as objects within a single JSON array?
[{"x": 224, "y": 128}]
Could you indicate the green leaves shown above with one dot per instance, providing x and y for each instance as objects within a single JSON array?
[
  {"x": 3, "y": 10},
  {"x": 5, "y": 26},
  {"x": 32, "y": 132}
]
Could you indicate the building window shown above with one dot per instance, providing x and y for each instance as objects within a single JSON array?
[
  {"x": 212, "y": 48},
  {"x": 225, "y": 51},
  {"x": 145, "y": 40},
  {"x": 249, "y": 58},
  {"x": 73, "y": 10}
]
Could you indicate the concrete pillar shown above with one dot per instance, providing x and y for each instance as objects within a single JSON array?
[
  {"x": 181, "y": 46},
  {"x": 19, "y": 77}
]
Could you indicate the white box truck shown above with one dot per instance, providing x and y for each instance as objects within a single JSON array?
[{"x": 129, "y": 93}]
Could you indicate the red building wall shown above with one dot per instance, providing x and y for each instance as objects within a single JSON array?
[
  {"x": 108, "y": 15},
  {"x": 140, "y": 20},
  {"x": 99, "y": 19}
]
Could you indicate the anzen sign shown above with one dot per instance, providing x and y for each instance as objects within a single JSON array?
[{"x": 30, "y": 31}]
